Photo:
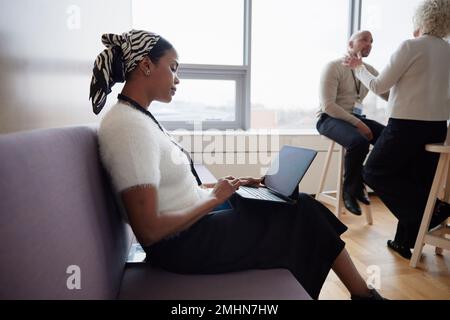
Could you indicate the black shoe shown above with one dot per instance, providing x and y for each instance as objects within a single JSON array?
[
  {"x": 440, "y": 214},
  {"x": 362, "y": 197},
  {"x": 438, "y": 218},
  {"x": 351, "y": 204},
  {"x": 400, "y": 249},
  {"x": 441, "y": 206},
  {"x": 374, "y": 295}
]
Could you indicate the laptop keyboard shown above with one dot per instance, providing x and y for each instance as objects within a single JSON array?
[{"x": 261, "y": 193}]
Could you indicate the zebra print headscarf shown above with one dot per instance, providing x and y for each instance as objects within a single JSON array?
[{"x": 122, "y": 55}]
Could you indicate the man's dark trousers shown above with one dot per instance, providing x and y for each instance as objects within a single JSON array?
[{"x": 355, "y": 144}]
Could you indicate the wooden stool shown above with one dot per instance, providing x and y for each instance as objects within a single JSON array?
[
  {"x": 441, "y": 185},
  {"x": 326, "y": 196}
]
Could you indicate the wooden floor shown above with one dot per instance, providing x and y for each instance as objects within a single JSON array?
[{"x": 367, "y": 247}]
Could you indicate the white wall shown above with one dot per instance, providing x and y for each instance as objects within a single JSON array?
[{"x": 47, "y": 50}]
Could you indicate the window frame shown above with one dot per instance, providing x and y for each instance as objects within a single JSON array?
[{"x": 355, "y": 7}]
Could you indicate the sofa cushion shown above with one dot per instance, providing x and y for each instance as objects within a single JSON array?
[
  {"x": 141, "y": 281},
  {"x": 57, "y": 211}
]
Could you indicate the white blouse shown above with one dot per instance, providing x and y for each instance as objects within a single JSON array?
[{"x": 419, "y": 75}]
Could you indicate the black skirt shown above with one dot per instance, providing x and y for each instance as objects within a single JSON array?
[{"x": 303, "y": 238}]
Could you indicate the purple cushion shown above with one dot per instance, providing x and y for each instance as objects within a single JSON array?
[
  {"x": 57, "y": 210},
  {"x": 144, "y": 282}
]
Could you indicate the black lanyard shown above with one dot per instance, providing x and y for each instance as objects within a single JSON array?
[
  {"x": 138, "y": 107},
  {"x": 358, "y": 88}
]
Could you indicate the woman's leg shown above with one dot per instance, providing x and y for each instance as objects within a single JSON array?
[
  {"x": 343, "y": 265},
  {"x": 346, "y": 271},
  {"x": 392, "y": 172}
]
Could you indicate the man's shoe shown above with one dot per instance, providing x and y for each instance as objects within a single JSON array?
[
  {"x": 441, "y": 206},
  {"x": 440, "y": 214},
  {"x": 400, "y": 249},
  {"x": 351, "y": 204},
  {"x": 438, "y": 218},
  {"x": 362, "y": 197},
  {"x": 374, "y": 295}
]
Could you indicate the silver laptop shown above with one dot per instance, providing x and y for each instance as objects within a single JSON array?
[{"x": 282, "y": 179}]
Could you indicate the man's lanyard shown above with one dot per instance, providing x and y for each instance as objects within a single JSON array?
[
  {"x": 138, "y": 107},
  {"x": 358, "y": 87}
]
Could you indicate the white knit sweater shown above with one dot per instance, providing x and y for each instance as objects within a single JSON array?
[
  {"x": 419, "y": 75},
  {"x": 338, "y": 92},
  {"x": 135, "y": 152}
]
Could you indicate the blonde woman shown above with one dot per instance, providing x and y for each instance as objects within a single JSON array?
[{"x": 399, "y": 169}]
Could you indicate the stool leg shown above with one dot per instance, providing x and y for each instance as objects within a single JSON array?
[
  {"x": 339, "y": 200},
  {"x": 429, "y": 210},
  {"x": 447, "y": 183},
  {"x": 325, "y": 170},
  {"x": 446, "y": 197},
  {"x": 443, "y": 193},
  {"x": 368, "y": 213}
]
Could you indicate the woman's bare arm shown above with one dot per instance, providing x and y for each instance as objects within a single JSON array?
[{"x": 150, "y": 225}]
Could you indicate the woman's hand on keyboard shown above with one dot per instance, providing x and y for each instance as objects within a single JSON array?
[
  {"x": 225, "y": 188},
  {"x": 251, "y": 182}
]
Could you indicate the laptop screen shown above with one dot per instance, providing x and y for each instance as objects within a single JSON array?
[{"x": 288, "y": 169}]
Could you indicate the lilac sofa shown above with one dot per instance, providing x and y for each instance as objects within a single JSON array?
[{"x": 62, "y": 237}]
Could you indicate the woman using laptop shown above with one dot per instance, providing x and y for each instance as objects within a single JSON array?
[{"x": 183, "y": 227}]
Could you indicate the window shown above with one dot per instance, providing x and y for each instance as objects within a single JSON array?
[
  {"x": 203, "y": 31},
  {"x": 291, "y": 42},
  {"x": 210, "y": 38},
  {"x": 389, "y": 30},
  {"x": 284, "y": 44},
  {"x": 216, "y": 103}
]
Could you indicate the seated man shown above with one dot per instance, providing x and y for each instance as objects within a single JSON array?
[{"x": 341, "y": 118}]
